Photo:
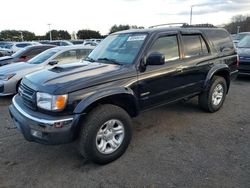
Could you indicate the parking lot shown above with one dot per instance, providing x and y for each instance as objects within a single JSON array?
[{"x": 173, "y": 146}]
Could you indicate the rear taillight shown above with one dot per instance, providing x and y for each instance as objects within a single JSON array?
[{"x": 238, "y": 61}]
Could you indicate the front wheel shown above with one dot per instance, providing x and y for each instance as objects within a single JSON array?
[
  {"x": 213, "y": 99},
  {"x": 106, "y": 134}
]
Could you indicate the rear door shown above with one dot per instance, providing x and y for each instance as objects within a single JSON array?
[{"x": 195, "y": 62}]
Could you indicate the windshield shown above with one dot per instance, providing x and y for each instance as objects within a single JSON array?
[
  {"x": 244, "y": 43},
  {"x": 118, "y": 48},
  {"x": 19, "y": 53},
  {"x": 40, "y": 58},
  {"x": 241, "y": 36}
]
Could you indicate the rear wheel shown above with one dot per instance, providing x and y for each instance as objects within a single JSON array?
[
  {"x": 106, "y": 134},
  {"x": 213, "y": 99}
]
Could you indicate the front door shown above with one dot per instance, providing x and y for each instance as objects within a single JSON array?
[{"x": 158, "y": 84}]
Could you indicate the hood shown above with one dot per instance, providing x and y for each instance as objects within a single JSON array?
[
  {"x": 244, "y": 52},
  {"x": 71, "y": 77},
  {"x": 15, "y": 67}
]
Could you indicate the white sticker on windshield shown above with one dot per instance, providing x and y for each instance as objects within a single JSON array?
[{"x": 136, "y": 38}]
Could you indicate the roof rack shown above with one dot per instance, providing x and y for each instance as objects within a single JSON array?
[
  {"x": 168, "y": 24},
  {"x": 198, "y": 25}
]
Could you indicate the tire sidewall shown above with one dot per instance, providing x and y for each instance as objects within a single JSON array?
[
  {"x": 217, "y": 81},
  {"x": 91, "y": 147}
]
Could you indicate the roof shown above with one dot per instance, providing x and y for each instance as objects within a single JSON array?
[{"x": 168, "y": 29}]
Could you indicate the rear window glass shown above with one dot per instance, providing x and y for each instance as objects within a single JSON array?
[{"x": 221, "y": 40}]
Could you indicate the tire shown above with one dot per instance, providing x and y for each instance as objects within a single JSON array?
[
  {"x": 89, "y": 144},
  {"x": 208, "y": 100}
]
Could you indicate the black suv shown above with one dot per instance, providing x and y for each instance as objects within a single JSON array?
[{"x": 129, "y": 72}]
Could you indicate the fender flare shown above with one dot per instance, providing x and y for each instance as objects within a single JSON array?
[
  {"x": 213, "y": 71},
  {"x": 98, "y": 95}
]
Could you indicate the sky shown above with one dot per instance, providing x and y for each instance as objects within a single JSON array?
[{"x": 100, "y": 15}]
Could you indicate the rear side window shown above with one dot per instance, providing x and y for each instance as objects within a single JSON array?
[
  {"x": 194, "y": 45},
  {"x": 168, "y": 46},
  {"x": 221, "y": 41}
]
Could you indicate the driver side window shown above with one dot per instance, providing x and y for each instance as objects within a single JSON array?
[{"x": 168, "y": 46}]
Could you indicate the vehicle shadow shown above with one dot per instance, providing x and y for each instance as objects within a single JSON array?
[
  {"x": 6, "y": 100},
  {"x": 243, "y": 78}
]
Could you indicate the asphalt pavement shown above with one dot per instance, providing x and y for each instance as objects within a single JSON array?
[{"x": 177, "y": 145}]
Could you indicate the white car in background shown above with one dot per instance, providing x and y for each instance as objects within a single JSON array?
[
  {"x": 11, "y": 75},
  {"x": 5, "y": 52},
  {"x": 14, "y": 47}
]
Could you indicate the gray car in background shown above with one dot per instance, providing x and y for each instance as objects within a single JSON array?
[{"x": 11, "y": 75}]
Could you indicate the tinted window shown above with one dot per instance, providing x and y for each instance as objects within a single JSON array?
[
  {"x": 22, "y": 45},
  {"x": 221, "y": 40},
  {"x": 64, "y": 43},
  {"x": 19, "y": 53},
  {"x": 33, "y": 52},
  {"x": 168, "y": 46},
  {"x": 77, "y": 42},
  {"x": 55, "y": 43},
  {"x": 194, "y": 45}
]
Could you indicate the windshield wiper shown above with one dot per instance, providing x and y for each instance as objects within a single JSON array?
[{"x": 113, "y": 61}]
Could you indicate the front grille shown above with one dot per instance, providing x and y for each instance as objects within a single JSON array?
[{"x": 28, "y": 96}]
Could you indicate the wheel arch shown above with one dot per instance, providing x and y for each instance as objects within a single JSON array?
[
  {"x": 123, "y": 98},
  {"x": 221, "y": 70}
]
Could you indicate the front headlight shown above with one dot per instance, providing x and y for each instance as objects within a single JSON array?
[
  {"x": 6, "y": 77},
  {"x": 51, "y": 102}
]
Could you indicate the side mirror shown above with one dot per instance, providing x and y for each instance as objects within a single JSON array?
[
  {"x": 53, "y": 62},
  {"x": 155, "y": 58}
]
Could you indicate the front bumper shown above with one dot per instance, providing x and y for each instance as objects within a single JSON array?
[
  {"x": 8, "y": 87},
  {"x": 244, "y": 68},
  {"x": 41, "y": 128}
]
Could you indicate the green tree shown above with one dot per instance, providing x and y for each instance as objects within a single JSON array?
[
  {"x": 16, "y": 35},
  {"x": 58, "y": 35},
  {"x": 87, "y": 34},
  {"x": 116, "y": 28}
]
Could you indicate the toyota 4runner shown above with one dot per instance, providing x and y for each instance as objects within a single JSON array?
[{"x": 129, "y": 72}]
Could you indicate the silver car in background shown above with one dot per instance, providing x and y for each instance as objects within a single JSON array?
[{"x": 11, "y": 75}]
